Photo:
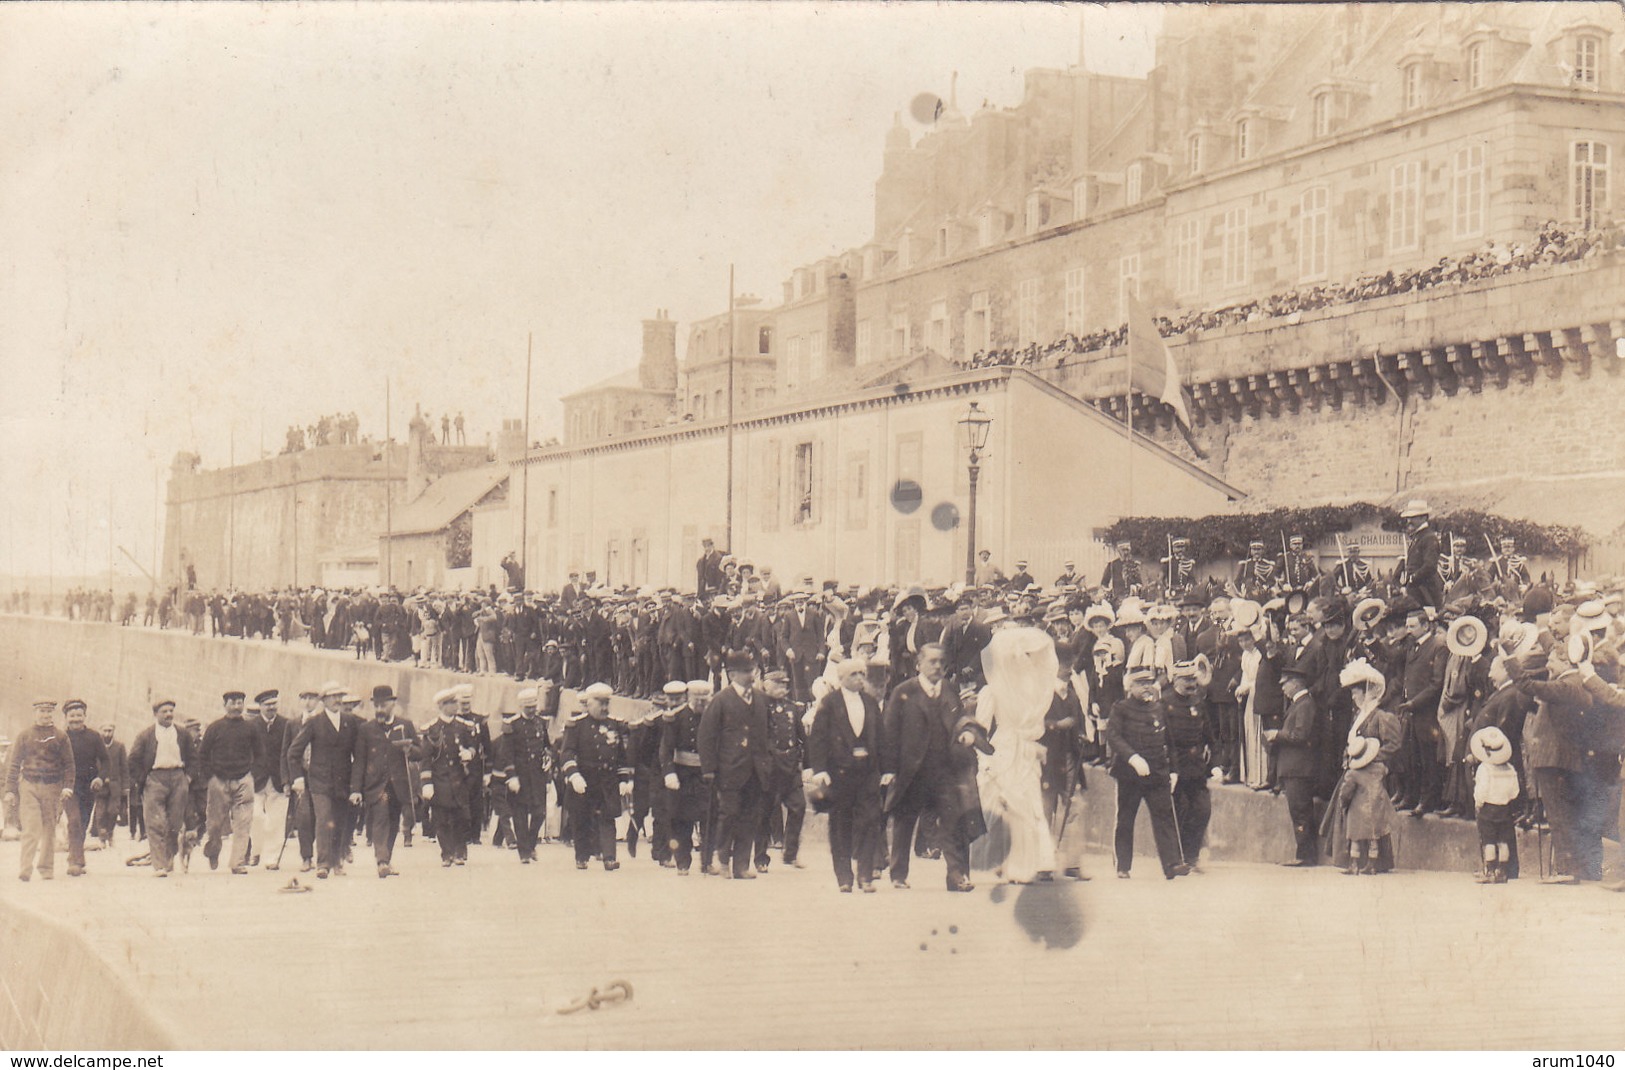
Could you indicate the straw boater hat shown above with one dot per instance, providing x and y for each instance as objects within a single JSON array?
[
  {"x": 1246, "y": 616},
  {"x": 1198, "y": 668},
  {"x": 1296, "y": 602},
  {"x": 1491, "y": 746},
  {"x": 1591, "y": 617},
  {"x": 1362, "y": 751},
  {"x": 1466, "y": 637},
  {"x": 1581, "y": 645},
  {"x": 1367, "y": 613}
]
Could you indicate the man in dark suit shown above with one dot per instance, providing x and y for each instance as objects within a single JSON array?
[
  {"x": 379, "y": 775},
  {"x": 963, "y": 642},
  {"x": 736, "y": 759},
  {"x": 925, "y": 768},
  {"x": 334, "y": 740},
  {"x": 1422, "y": 681},
  {"x": 1295, "y": 744},
  {"x": 111, "y": 802},
  {"x": 708, "y": 578},
  {"x": 445, "y": 752},
  {"x": 843, "y": 754},
  {"x": 1142, "y": 765},
  {"x": 270, "y": 821},
  {"x": 801, "y": 631},
  {"x": 784, "y": 791},
  {"x": 688, "y": 796},
  {"x": 523, "y": 759},
  {"x": 1422, "y": 579},
  {"x": 594, "y": 758}
]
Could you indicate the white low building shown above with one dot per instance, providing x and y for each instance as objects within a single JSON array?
[{"x": 869, "y": 487}]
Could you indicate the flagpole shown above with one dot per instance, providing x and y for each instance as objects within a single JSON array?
[
  {"x": 730, "y": 530},
  {"x": 524, "y": 474},
  {"x": 389, "y": 492},
  {"x": 1128, "y": 423}
]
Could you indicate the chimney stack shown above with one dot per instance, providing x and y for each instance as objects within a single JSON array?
[{"x": 658, "y": 368}]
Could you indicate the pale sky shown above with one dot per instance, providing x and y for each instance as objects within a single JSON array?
[{"x": 221, "y": 216}]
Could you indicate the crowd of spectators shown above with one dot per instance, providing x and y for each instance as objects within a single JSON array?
[
  {"x": 1274, "y": 688},
  {"x": 1554, "y": 243},
  {"x": 336, "y": 429}
]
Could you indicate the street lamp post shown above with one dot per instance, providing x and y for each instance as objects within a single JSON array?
[{"x": 975, "y": 424}]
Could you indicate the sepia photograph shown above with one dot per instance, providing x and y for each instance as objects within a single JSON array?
[{"x": 812, "y": 526}]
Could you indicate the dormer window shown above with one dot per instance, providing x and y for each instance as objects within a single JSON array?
[
  {"x": 984, "y": 229},
  {"x": 1133, "y": 183},
  {"x": 1412, "y": 78},
  {"x": 1322, "y": 113},
  {"x": 1587, "y": 59},
  {"x": 1193, "y": 153},
  {"x": 1475, "y": 66},
  {"x": 1244, "y": 131},
  {"x": 1080, "y": 198},
  {"x": 1035, "y": 212}
]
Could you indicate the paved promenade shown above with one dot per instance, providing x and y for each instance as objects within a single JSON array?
[{"x": 1242, "y": 956}]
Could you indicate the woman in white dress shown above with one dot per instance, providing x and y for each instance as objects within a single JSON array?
[
  {"x": 1248, "y": 627},
  {"x": 1020, "y": 665}
]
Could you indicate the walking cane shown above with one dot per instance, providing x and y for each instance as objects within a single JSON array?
[
  {"x": 1174, "y": 805},
  {"x": 283, "y": 849}
]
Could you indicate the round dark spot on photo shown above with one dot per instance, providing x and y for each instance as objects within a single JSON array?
[
  {"x": 953, "y": 951},
  {"x": 945, "y": 517},
  {"x": 906, "y": 496},
  {"x": 925, "y": 108},
  {"x": 998, "y": 893},
  {"x": 933, "y": 932},
  {"x": 901, "y": 388},
  {"x": 922, "y": 947},
  {"x": 1050, "y": 916},
  {"x": 953, "y": 929}
]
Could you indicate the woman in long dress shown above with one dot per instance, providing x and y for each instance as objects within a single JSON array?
[
  {"x": 1357, "y": 831},
  {"x": 1258, "y": 693},
  {"x": 1021, "y": 666}
]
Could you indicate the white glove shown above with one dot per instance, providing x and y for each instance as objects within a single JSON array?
[
  {"x": 578, "y": 783},
  {"x": 428, "y": 791},
  {"x": 299, "y": 785},
  {"x": 1139, "y": 765},
  {"x": 513, "y": 784},
  {"x": 821, "y": 780},
  {"x": 626, "y": 789},
  {"x": 1217, "y": 773},
  {"x": 96, "y": 785},
  {"x": 671, "y": 782},
  {"x": 487, "y": 779},
  {"x": 1173, "y": 781},
  {"x": 886, "y": 779}
]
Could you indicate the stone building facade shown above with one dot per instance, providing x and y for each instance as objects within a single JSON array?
[
  {"x": 277, "y": 522},
  {"x": 1270, "y": 151}
]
